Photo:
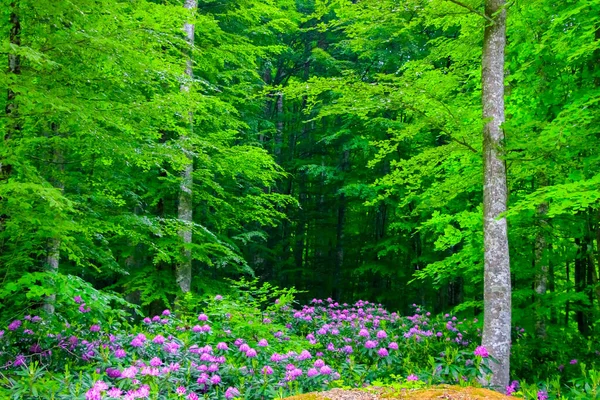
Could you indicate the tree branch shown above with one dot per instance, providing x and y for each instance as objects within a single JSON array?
[{"x": 468, "y": 7}]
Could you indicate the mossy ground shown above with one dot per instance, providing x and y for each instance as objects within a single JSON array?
[{"x": 439, "y": 392}]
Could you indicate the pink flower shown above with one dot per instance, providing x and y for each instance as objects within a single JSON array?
[
  {"x": 244, "y": 348},
  {"x": 120, "y": 353},
  {"x": 93, "y": 394},
  {"x": 231, "y": 392},
  {"x": 381, "y": 334},
  {"x": 155, "y": 362},
  {"x": 14, "y": 325},
  {"x": 325, "y": 370},
  {"x": 481, "y": 351},
  {"x": 202, "y": 317},
  {"x": 222, "y": 346},
  {"x": 114, "y": 392},
  {"x": 129, "y": 372},
  {"x": 412, "y": 377},
  {"x": 100, "y": 385},
  {"x": 180, "y": 390},
  {"x": 267, "y": 370}
]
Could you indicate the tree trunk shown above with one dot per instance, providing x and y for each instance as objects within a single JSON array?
[
  {"x": 580, "y": 284},
  {"x": 278, "y": 142},
  {"x": 541, "y": 275},
  {"x": 14, "y": 67},
  {"x": 339, "y": 250},
  {"x": 568, "y": 303},
  {"x": 497, "y": 284},
  {"x": 184, "y": 209},
  {"x": 53, "y": 256}
]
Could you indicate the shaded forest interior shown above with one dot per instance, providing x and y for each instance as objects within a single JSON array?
[{"x": 334, "y": 146}]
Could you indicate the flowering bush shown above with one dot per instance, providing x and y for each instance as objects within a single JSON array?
[{"x": 252, "y": 344}]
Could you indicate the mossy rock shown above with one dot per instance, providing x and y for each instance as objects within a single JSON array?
[{"x": 438, "y": 392}]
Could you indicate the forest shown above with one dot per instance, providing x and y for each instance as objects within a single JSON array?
[{"x": 255, "y": 199}]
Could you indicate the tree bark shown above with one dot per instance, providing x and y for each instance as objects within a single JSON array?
[
  {"x": 497, "y": 284},
  {"x": 339, "y": 250},
  {"x": 541, "y": 276},
  {"x": 53, "y": 256},
  {"x": 14, "y": 68},
  {"x": 580, "y": 284},
  {"x": 184, "y": 209},
  {"x": 278, "y": 142}
]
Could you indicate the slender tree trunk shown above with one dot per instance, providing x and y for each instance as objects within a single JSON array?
[
  {"x": 339, "y": 259},
  {"x": 541, "y": 276},
  {"x": 552, "y": 289},
  {"x": 497, "y": 284},
  {"x": 53, "y": 256},
  {"x": 14, "y": 68},
  {"x": 184, "y": 209},
  {"x": 595, "y": 262},
  {"x": 568, "y": 303},
  {"x": 580, "y": 283},
  {"x": 278, "y": 142}
]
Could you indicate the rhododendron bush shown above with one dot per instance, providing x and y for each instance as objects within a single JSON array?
[{"x": 252, "y": 344}]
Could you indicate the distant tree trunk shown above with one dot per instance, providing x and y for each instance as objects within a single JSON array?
[
  {"x": 497, "y": 284},
  {"x": 53, "y": 256},
  {"x": 594, "y": 230},
  {"x": 14, "y": 68},
  {"x": 185, "y": 207},
  {"x": 541, "y": 271},
  {"x": 552, "y": 289},
  {"x": 580, "y": 283},
  {"x": 278, "y": 143},
  {"x": 341, "y": 218},
  {"x": 568, "y": 303}
]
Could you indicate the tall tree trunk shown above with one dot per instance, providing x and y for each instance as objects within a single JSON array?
[
  {"x": 184, "y": 209},
  {"x": 339, "y": 250},
  {"x": 497, "y": 284},
  {"x": 594, "y": 230},
  {"x": 53, "y": 256},
  {"x": 278, "y": 142},
  {"x": 580, "y": 283},
  {"x": 568, "y": 303},
  {"x": 14, "y": 68},
  {"x": 541, "y": 272},
  {"x": 552, "y": 288}
]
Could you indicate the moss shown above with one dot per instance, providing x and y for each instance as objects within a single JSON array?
[
  {"x": 307, "y": 396},
  {"x": 446, "y": 392},
  {"x": 438, "y": 392}
]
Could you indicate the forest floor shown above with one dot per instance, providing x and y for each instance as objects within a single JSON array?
[{"x": 378, "y": 393}]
